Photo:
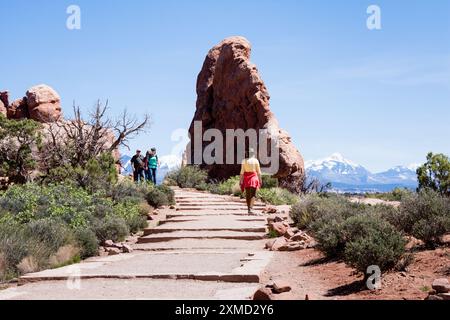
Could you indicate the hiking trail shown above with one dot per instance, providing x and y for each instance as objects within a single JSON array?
[{"x": 209, "y": 248}]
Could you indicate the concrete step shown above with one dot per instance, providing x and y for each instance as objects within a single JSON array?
[
  {"x": 201, "y": 244},
  {"x": 169, "y": 236},
  {"x": 170, "y": 230},
  {"x": 226, "y": 267}
]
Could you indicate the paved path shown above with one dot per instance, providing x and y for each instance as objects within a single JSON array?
[{"x": 208, "y": 249}]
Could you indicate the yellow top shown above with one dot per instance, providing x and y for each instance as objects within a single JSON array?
[{"x": 250, "y": 165}]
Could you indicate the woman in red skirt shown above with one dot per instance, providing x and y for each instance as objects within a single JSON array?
[{"x": 250, "y": 178}]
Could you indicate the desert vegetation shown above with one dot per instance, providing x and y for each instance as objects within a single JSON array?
[{"x": 61, "y": 197}]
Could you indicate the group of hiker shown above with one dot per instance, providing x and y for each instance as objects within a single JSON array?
[{"x": 145, "y": 167}]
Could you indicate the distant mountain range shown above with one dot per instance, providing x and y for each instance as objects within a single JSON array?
[
  {"x": 344, "y": 175},
  {"x": 347, "y": 176}
]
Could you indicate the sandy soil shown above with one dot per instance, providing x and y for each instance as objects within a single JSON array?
[{"x": 310, "y": 274}]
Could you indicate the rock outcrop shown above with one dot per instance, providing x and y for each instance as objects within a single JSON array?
[
  {"x": 232, "y": 95},
  {"x": 41, "y": 104},
  {"x": 44, "y": 104}
]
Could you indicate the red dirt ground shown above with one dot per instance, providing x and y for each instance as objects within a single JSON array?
[{"x": 309, "y": 274}]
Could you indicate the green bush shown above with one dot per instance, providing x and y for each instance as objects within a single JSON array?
[
  {"x": 425, "y": 215},
  {"x": 314, "y": 210},
  {"x": 277, "y": 196},
  {"x": 372, "y": 241},
  {"x": 157, "y": 198},
  {"x": 130, "y": 212},
  {"x": 398, "y": 194},
  {"x": 87, "y": 241},
  {"x": 187, "y": 177},
  {"x": 111, "y": 228},
  {"x": 269, "y": 182},
  {"x": 168, "y": 192},
  {"x": 52, "y": 233},
  {"x": 227, "y": 187}
]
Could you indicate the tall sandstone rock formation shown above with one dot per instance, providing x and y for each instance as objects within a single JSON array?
[{"x": 232, "y": 95}]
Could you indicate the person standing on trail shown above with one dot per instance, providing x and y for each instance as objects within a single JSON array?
[
  {"x": 251, "y": 179},
  {"x": 153, "y": 164},
  {"x": 147, "y": 171},
  {"x": 138, "y": 165}
]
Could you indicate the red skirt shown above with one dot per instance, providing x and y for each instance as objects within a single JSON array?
[{"x": 251, "y": 180}]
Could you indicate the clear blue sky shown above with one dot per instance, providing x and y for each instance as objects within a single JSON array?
[{"x": 381, "y": 98}]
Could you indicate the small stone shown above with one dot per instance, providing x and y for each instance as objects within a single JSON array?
[
  {"x": 172, "y": 207},
  {"x": 113, "y": 251},
  {"x": 279, "y": 228},
  {"x": 279, "y": 242},
  {"x": 271, "y": 210},
  {"x": 444, "y": 296},
  {"x": 127, "y": 248},
  {"x": 149, "y": 217},
  {"x": 109, "y": 243},
  {"x": 280, "y": 286},
  {"x": 270, "y": 243},
  {"x": 277, "y": 219},
  {"x": 293, "y": 246},
  {"x": 300, "y": 236},
  {"x": 403, "y": 274},
  {"x": 441, "y": 285},
  {"x": 433, "y": 298},
  {"x": 289, "y": 233},
  {"x": 262, "y": 294},
  {"x": 311, "y": 244},
  {"x": 155, "y": 212}
]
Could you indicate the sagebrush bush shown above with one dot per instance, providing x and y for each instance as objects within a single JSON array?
[
  {"x": 316, "y": 209},
  {"x": 87, "y": 241},
  {"x": 131, "y": 214},
  {"x": 425, "y": 215},
  {"x": 228, "y": 187},
  {"x": 277, "y": 196},
  {"x": 372, "y": 241},
  {"x": 111, "y": 228},
  {"x": 157, "y": 198},
  {"x": 187, "y": 177},
  {"x": 53, "y": 233},
  {"x": 168, "y": 192}
]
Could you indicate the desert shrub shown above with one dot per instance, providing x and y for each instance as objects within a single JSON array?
[
  {"x": 144, "y": 208},
  {"x": 269, "y": 181},
  {"x": 398, "y": 194},
  {"x": 130, "y": 212},
  {"x": 157, "y": 198},
  {"x": 13, "y": 248},
  {"x": 277, "y": 196},
  {"x": 168, "y": 192},
  {"x": 425, "y": 215},
  {"x": 203, "y": 186},
  {"x": 87, "y": 241},
  {"x": 227, "y": 187},
  {"x": 21, "y": 201},
  {"x": 111, "y": 228},
  {"x": 187, "y": 177},
  {"x": 372, "y": 241},
  {"x": 129, "y": 191},
  {"x": 314, "y": 210},
  {"x": 52, "y": 233}
]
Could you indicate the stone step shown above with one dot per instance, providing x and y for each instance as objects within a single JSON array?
[
  {"x": 169, "y": 230},
  {"x": 225, "y": 204},
  {"x": 169, "y": 236},
  {"x": 225, "y": 266},
  {"x": 201, "y": 244},
  {"x": 227, "y": 208}
]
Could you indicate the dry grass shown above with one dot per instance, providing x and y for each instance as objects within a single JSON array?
[
  {"x": 28, "y": 265},
  {"x": 64, "y": 254}
]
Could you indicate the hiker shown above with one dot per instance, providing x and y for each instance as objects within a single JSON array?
[
  {"x": 138, "y": 165},
  {"x": 147, "y": 171},
  {"x": 250, "y": 178},
  {"x": 153, "y": 164}
]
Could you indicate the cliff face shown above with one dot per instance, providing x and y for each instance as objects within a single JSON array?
[{"x": 232, "y": 95}]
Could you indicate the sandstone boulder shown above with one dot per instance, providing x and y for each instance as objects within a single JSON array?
[
  {"x": 232, "y": 95},
  {"x": 44, "y": 104},
  {"x": 4, "y": 102},
  {"x": 2, "y": 108},
  {"x": 18, "y": 109}
]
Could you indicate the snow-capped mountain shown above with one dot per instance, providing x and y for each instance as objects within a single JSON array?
[
  {"x": 347, "y": 176},
  {"x": 168, "y": 163}
]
